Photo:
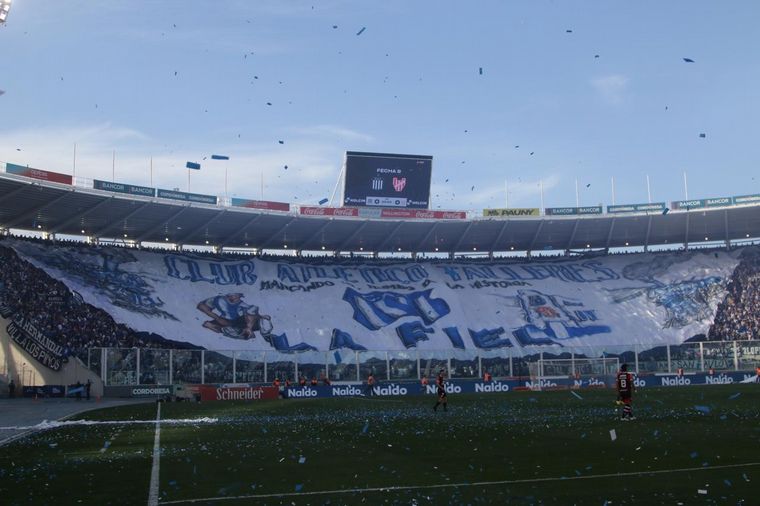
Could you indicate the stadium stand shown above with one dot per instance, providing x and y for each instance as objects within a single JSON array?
[
  {"x": 61, "y": 315},
  {"x": 737, "y": 316}
]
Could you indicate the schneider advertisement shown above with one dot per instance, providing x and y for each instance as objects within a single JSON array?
[{"x": 387, "y": 180}]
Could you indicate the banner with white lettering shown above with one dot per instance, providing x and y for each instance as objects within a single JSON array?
[
  {"x": 259, "y": 304},
  {"x": 32, "y": 340},
  {"x": 237, "y": 393}
]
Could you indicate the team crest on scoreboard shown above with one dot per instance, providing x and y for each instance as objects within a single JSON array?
[{"x": 399, "y": 183}]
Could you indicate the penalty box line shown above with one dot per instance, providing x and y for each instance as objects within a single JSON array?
[{"x": 463, "y": 484}]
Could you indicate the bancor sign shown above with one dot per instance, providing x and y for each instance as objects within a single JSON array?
[{"x": 244, "y": 393}]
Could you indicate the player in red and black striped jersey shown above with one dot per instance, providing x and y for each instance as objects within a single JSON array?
[
  {"x": 440, "y": 382},
  {"x": 625, "y": 389}
]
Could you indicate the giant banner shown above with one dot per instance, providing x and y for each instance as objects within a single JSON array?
[{"x": 258, "y": 304}]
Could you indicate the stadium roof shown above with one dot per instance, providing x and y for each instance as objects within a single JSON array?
[{"x": 63, "y": 209}]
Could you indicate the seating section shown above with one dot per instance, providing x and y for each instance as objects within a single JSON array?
[{"x": 81, "y": 296}]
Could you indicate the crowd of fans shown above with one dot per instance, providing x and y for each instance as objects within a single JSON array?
[
  {"x": 64, "y": 318},
  {"x": 57, "y": 313},
  {"x": 738, "y": 316}
]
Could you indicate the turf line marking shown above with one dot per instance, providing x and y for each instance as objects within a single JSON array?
[
  {"x": 153, "y": 492},
  {"x": 45, "y": 425},
  {"x": 456, "y": 485}
]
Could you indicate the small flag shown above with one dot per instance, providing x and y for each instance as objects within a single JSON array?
[
  {"x": 220, "y": 157},
  {"x": 193, "y": 165}
]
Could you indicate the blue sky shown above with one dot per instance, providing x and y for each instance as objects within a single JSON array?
[{"x": 101, "y": 74}]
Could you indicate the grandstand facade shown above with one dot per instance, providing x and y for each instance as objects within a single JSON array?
[{"x": 237, "y": 313}]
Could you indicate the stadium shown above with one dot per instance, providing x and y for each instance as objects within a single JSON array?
[{"x": 178, "y": 347}]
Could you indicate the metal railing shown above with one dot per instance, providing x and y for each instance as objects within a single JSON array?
[{"x": 132, "y": 366}]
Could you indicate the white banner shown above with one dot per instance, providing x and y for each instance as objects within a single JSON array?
[{"x": 254, "y": 304}]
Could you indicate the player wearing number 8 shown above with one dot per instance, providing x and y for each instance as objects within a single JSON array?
[{"x": 625, "y": 390}]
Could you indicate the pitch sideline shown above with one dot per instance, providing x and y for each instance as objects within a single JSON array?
[{"x": 153, "y": 491}]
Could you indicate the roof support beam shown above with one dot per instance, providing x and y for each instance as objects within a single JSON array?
[
  {"x": 461, "y": 237},
  {"x": 426, "y": 237},
  {"x": 274, "y": 236},
  {"x": 78, "y": 217},
  {"x": 353, "y": 235},
  {"x": 99, "y": 232},
  {"x": 496, "y": 241},
  {"x": 242, "y": 230},
  {"x": 685, "y": 232},
  {"x": 164, "y": 223},
  {"x": 649, "y": 229},
  {"x": 389, "y": 237},
  {"x": 15, "y": 192},
  {"x": 318, "y": 231},
  {"x": 725, "y": 229},
  {"x": 217, "y": 216},
  {"x": 572, "y": 234},
  {"x": 609, "y": 234},
  {"x": 535, "y": 236},
  {"x": 21, "y": 219}
]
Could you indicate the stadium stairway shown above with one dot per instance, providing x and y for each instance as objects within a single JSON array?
[{"x": 17, "y": 364}]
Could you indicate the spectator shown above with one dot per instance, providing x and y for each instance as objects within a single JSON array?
[
  {"x": 737, "y": 316},
  {"x": 51, "y": 307},
  {"x": 11, "y": 389},
  {"x": 87, "y": 388}
]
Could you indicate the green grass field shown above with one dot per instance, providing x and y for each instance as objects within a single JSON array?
[{"x": 513, "y": 448}]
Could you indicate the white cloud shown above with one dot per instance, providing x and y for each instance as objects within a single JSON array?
[
  {"x": 332, "y": 132},
  {"x": 313, "y": 156},
  {"x": 611, "y": 88},
  {"x": 522, "y": 193}
]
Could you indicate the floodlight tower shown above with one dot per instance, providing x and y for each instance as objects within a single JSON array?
[{"x": 5, "y": 6}]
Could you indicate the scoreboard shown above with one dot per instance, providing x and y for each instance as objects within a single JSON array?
[{"x": 387, "y": 180}]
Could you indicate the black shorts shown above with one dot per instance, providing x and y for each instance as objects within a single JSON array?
[{"x": 441, "y": 393}]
